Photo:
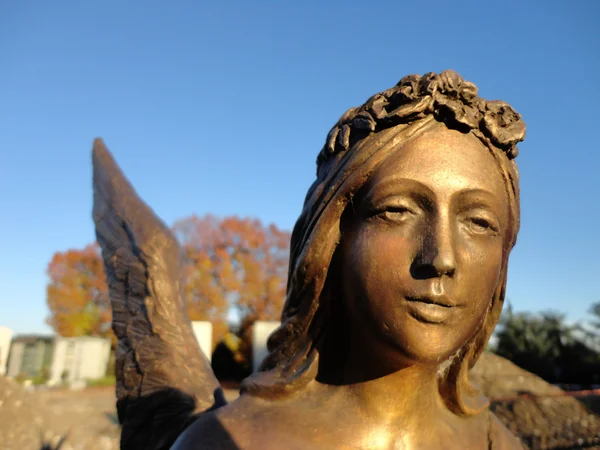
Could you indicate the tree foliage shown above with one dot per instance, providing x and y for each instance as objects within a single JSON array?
[
  {"x": 237, "y": 261},
  {"x": 547, "y": 346},
  {"x": 595, "y": 312},
  {"x": 77, "y": 294},
  {"x": 231, "y": 265},
  {"x": 234, "y": 265}
]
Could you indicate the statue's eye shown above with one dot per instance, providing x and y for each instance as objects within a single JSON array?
[
  {"x": 394, "y": 213},
  {"x": 482, "y": 225}
]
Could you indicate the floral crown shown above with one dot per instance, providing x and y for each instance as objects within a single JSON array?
[{"x": 447, "y": 96}]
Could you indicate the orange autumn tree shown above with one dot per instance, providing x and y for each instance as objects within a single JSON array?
[
  {"x": 77, "y": 294},
  {"x": 232, "y": 264},
  {"x": 237, "y": 263}
]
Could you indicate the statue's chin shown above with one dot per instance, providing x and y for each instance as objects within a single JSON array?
[
  {"x": 411, "y": 338},
  {"x": 406, "y": 349}
]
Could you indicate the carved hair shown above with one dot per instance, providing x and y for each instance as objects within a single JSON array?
[{"x": 355, "y": 146}]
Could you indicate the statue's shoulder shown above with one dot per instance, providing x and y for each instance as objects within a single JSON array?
[
  {"x": 246, "y": 423},
  {"x": 220, "y": 429},
  {"x": 500, "y": 437},
  {"x": 207, "y": 432}
]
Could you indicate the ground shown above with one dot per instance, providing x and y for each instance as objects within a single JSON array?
[
  {"x": 539, "y": 413},
  {"x": 88, "y": 417}
]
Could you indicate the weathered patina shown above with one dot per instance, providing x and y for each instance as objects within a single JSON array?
[{"x": 397, "y": 278}]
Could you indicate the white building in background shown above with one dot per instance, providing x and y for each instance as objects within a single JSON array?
[
  {"x": 261, "y": 330},
  {"x": 6, "y": 335},
  {"x": 203, "y": 331},
  {"x": 79, "y": 359},
  {"x": 30, "y": 356}
]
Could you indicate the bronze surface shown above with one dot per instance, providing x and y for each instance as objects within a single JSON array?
[{"x": 397, "y": 278}]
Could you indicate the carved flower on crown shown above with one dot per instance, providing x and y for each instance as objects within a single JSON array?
[
  {"x": 406, "y": 90},
  {"x": 449, "y": 84},
  {"x": 503, "y": 126},
  {"x": 456, "y": 111},
  {"x": 447, "y": 95},
  {"x": 430, "y": 83}
]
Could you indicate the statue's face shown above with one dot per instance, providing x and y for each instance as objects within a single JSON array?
[{"x": 422, "y": 256}]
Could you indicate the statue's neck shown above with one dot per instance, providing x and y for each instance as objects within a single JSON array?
[
  {"x": 399, "y": 395},
  {"x": 380, "y": 381}
]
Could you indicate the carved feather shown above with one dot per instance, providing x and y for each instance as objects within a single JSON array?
[{"x": 163, "y": 379}]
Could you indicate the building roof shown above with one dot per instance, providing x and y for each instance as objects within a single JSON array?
[{"x": 28, "y": 338}]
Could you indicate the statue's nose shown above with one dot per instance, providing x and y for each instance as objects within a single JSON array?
[{"x": 436, "y": 256}]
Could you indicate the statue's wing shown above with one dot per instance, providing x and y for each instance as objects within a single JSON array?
[{"x": 163, "y": 379}]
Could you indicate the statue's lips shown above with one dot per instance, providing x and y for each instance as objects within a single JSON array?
[{"x": 432, "y": 309}]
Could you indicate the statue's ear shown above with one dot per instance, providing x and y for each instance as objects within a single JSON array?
[{"x": 163, "y": 378}]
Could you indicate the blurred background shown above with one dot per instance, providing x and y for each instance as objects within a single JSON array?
[{"x": 216, "y": 111}]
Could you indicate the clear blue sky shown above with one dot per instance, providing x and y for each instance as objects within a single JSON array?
[{"x": 221, "y": 107}]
